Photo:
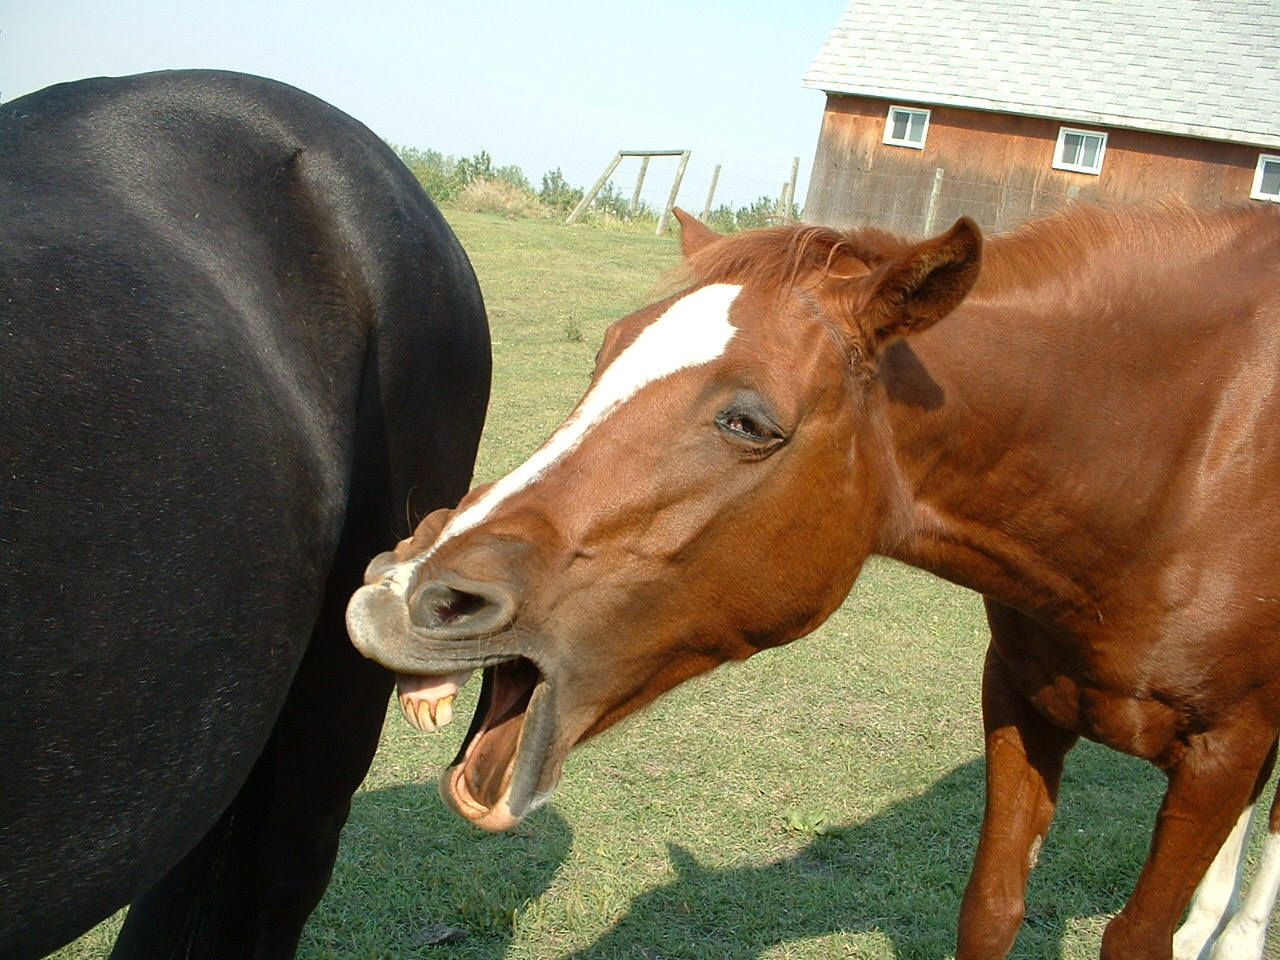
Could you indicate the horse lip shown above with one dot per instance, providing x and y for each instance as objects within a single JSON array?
[
  {"x": 380, "y": 628},
  {"x": 377, "y": 622},
  {"x": 379, "y": 567},
  {"x": 530, "y": 771}
]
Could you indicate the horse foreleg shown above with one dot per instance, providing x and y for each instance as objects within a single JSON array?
[
  {"x": 1214, "y": 780},
  {"x": 1245, "y": 934},
  {"x": 1025, "y": 754}
]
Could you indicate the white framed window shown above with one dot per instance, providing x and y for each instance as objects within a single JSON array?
[
  {"x": 1079, "y": 150},
  {"x": 1266, "y": 179},
  {"x": 906, "y": 127}
]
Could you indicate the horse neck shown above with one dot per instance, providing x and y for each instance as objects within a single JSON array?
[
  {"x": 978, "y": 489},
  {"x": 1050, "y": 437}
]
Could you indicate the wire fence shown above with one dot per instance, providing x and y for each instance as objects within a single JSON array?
[
  {"x": 916, "y": 202},
  {"x": 731, "y": 184}
]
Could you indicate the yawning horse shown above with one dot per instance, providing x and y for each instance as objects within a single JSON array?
[{"x": 1079, "y": 419}]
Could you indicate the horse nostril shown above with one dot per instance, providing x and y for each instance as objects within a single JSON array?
[
  {"x": 458, "y": 606},
  {"x": 461, "y": 608}
]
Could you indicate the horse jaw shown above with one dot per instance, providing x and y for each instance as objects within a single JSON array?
[{"x": 513, "y": 755}]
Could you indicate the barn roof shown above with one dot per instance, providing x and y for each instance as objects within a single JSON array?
[{"x": 1201, "y": 68}]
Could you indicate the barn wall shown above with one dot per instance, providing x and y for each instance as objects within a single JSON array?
[{"x": 998, "y": 169}]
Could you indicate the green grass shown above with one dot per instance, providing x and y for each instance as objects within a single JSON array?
[
  {"x": 551, "y": 290},
  {"x": 819, "y": 801}
]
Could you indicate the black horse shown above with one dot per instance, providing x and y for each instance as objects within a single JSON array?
[{"x": 239, "y": 352}]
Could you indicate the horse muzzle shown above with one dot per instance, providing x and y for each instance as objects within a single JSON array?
[
  {"x": 417, "y": 624},
  {"x": 432, "y": 629}
]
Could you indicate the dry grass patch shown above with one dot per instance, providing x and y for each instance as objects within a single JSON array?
[{"x": 500, "y": 197}]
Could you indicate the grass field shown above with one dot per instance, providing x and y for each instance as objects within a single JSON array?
[{"x": 820, "y": 801}]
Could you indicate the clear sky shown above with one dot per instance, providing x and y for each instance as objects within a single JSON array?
[{"x": 540, "y": 85}]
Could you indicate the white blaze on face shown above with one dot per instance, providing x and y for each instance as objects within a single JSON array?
[{"x": 694, "y": 330}]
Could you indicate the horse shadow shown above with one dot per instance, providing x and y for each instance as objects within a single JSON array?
[
  {"x": 900, "y": 875},
  {"x": 414, "y": 879},
  {"x": 413, "y": 875}
]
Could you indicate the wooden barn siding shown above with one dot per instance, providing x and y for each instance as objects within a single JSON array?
[{"x": 997, "y": 168}]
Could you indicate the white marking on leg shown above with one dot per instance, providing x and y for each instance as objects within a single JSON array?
[
  {"x": 694, "y": 330},
  {"x": 1216, "y": 897},
  {"x": 1245, "y": 935}
]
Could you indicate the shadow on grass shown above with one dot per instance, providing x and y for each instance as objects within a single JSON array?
[
  {"x": 411, "y": 871},
  {"x": 415, "y": 880},
  {"x": 900, "y": 874}
]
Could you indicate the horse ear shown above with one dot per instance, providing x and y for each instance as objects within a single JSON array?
[
  {"x": 694, "y": 234},
  {"x": 917, "y": 288}
]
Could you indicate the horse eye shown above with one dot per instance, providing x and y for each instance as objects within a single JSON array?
[
  {"x": 746, "y": 426},
  {"x": 750, "y": 429}
]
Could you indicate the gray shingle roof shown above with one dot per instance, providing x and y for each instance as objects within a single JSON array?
[{"x": 1202, "y": 68}]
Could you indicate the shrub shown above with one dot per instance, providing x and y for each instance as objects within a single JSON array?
[
  {"x": 439, "y": 175},
  {"x": 762, "y": 213},
  {"x": 475, "y": 184},
  {"x": 611, "y": 202},
  {"x": 556, "y": 191},
  {"x": 722, "y": 219}
]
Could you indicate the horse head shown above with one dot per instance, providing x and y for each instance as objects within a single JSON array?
[{"x": 714, "y": 493}]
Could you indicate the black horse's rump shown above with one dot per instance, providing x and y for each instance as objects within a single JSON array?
[{"x": 240, "y": 351}]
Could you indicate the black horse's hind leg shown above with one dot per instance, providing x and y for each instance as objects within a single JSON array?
[
  {"x": 339, "y": 698},
  {"x": 205, "y": 906},
  {"x": 245, "y": 892}
]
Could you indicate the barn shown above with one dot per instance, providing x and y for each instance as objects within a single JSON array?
[{"x": 1007, "y": 109}]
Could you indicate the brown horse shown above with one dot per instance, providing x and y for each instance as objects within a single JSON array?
[{"x": 1091, "y": 439}]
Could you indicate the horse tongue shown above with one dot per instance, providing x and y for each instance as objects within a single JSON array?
[{"x": 427, "y": 702}]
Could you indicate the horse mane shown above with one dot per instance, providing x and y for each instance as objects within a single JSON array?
[
  {"x": 1096, "y": 242},
  {"x": 782, "y": 257},
  {"x": 1081, "y": 241}
]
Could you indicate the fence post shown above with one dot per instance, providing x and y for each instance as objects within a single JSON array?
[
  {"x": 635, "y": 197},
  {"x": 671, "y": 197},
  {"x": 711, "y": 192},
  {"x": 791, "y": 192},
  {"x": 591, "y": 194}
]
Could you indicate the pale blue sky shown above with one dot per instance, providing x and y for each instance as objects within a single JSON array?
[{"x": 565, "y": 83}]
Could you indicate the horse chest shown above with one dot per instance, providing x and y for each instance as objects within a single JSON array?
[{"x": 1123, "y": 702}]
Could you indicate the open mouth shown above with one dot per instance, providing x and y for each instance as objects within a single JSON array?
[
  {"x": 516, "y": 746},
  {"x": 511, "y": 758}
]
